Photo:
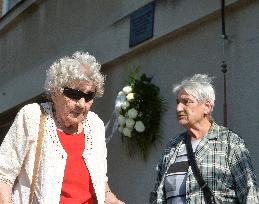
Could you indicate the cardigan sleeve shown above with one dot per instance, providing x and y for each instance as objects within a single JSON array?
[{"x": 16, "y": 143}]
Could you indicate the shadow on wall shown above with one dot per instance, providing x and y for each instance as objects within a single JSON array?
[{"x": 3, "y": 131}]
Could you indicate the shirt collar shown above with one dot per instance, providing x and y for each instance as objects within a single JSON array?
[{"x": 213, "y": 132}]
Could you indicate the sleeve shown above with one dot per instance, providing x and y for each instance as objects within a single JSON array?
[
  {"x": 159, "y": 167},
  {"x": 14, "y": 148},
  {"x": 244, "y": 176}
]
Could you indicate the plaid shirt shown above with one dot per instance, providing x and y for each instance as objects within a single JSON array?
[{"x": 225, "y": 165}]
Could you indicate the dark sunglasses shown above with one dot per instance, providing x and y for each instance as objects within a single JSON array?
[{"x": 77, "y": 94}]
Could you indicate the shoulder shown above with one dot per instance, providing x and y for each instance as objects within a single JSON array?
[
  {"x": 31, "y": 107},
  {"x": 231, "y": 136},
  {"x": 174, "y": 142},
  {"x": 26, "y": 123},
  {"x": 235, "y": 139},
  {"x": 29, "y": 111},
  {"x": 94, "y": 118}
]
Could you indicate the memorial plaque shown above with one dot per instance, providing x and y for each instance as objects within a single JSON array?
[{"x": 141, "y": 24}]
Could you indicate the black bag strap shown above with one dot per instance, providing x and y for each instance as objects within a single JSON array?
[{"x": 208, "y": 194}]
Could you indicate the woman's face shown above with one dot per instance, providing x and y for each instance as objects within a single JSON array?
[
  {"x": 70, "y": 108},
  {"x": 189, "y": 111}
]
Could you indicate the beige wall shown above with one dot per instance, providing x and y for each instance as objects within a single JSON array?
[{"x": 186, "y": 41}]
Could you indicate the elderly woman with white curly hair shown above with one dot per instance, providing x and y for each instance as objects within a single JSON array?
[{"x": 55, "y": 152}]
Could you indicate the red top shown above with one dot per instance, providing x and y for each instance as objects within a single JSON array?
[{"x": 77, "y": 187}]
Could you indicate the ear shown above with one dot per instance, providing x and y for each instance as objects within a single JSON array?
[{"x": 207, "y": 107}]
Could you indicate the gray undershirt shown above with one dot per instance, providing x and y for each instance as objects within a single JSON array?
[{"x": 175, "y": 180}]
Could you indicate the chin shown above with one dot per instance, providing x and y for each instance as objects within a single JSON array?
[
  {"x": 183, "y": 123},
  {"x": 74, "y": 121}
]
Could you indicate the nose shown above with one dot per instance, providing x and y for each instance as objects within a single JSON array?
[
  {"x": 179, "y": 107},
  {"x": 81, "y": 102}
]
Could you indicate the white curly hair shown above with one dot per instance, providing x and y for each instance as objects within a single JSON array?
[
  {"x": 81, "y": 66},
  {"x": 199, "y": 86}
]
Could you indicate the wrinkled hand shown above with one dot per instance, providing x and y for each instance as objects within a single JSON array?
[{"x": 110, "y": 198}]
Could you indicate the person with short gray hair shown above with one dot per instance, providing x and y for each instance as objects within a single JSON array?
[
  {"x": 72, "y": 164},
  {"x": 208, "y": 163},
  {"x": 200, "y": 86}
]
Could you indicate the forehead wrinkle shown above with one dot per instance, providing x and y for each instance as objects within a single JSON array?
[{"x": 183, "y": 95}]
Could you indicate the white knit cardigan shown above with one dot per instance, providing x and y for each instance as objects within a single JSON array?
[{"x": 17, "y": 154}]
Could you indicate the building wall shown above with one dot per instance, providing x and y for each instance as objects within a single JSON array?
[
  {"x": 186, "y": 41},
  {"x": 198, "y": 50},
  {"x": 1, "y": 7}
]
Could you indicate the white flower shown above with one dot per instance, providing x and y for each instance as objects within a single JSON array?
[
  {"x": 121, "y": 93},
  {"x": 132, "y": 113},
  {"x": 127, "y": 89},
  {"x": 130, "y": 123},
  {"x": 125, "y": 105},
  {"x": 130, "y": 96},
  {"x": 127, "y": 132},
  {"x": 139, "y": 126},
  {"x": 121, "y": 120},
  {"x": 120, "y": 128}
]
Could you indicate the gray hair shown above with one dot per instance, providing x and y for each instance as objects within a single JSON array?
[
  {"x": 79, "y": 67},
  {"x": 199, "y": 86}
]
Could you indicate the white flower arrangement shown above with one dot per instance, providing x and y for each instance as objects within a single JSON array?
[
  {"x": 139, "y": 109},
  {"x": 126, "y": 120}
]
